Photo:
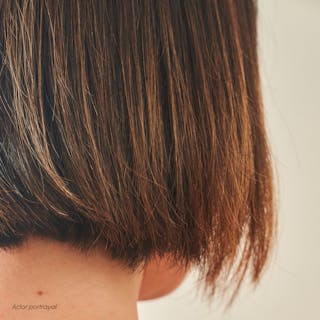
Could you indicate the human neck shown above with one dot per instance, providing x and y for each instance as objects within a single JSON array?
[{"x": 69, "y": 284}]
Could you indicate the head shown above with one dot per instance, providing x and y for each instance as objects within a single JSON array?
[{"x": 137, "y": 126}]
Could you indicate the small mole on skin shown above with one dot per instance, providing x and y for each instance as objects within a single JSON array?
[{"x": 40, "y": 293}]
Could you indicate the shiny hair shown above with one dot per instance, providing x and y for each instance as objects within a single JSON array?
[{"x": 138, "y": 126}]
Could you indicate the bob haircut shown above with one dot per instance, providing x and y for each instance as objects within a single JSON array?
[{"x": 137, "y": 126}]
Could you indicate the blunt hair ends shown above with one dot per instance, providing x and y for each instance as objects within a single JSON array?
[{"x": 137, "y": 126}]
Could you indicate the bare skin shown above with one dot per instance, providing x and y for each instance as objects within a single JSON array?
[
  {"x": 49, "y": 280},
  {"x": 72, "y": 284},
  {"x": 161, "y": 278}
]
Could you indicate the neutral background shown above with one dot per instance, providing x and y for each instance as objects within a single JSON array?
[{"x": 289, "y": 48}]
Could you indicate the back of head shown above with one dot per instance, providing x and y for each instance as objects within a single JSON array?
[{"x": 137, "y": 126}]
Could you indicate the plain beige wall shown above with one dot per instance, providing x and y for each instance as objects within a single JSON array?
[{"x": 289, "y": 46}]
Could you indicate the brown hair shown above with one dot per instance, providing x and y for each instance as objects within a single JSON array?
[{"x": 139, "y": 126}]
